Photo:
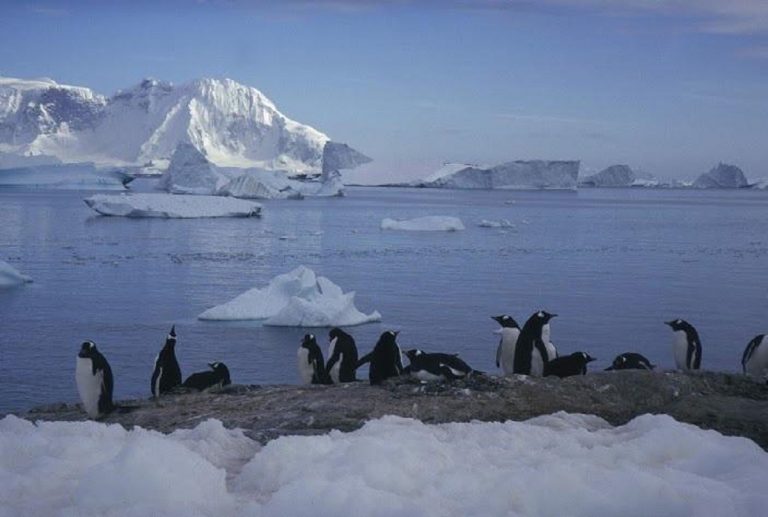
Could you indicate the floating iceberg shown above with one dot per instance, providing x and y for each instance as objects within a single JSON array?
[
  {"x": 521, "y": 174},
  {"x": 430, "y": 223},
  {"x": 9, "y": 276},
  {"x": 170, "y": 206},
  {"x": 74, "y": 176},
  {"x": 613, "y": 176},
  {"x": 722, "y": 176},
  {"x": 502, "y": 223},
  {"x": 560, "y": 464},
  {"x": 295, "y": 299}
]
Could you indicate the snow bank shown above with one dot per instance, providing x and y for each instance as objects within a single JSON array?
[
  {"x": 430, "y": 223},
  {"x": 9, "y": 276},
  {"x": 74, "y": 176},
  {"x": 295, "y": 299},
  {"x": 561, "y": 464},
  {"x": 521, "y": 174},
  {"x": 170, "y": 206}
]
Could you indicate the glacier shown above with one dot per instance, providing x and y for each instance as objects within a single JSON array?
[
  {"x": 521, "y": 174},
  {"x": 298, "y": 298},
  {"x": 171, "y": 206},
  {"x": 560, "y": 464},
  {"x": 722, "y": 176},
  {"x": 233, "y": 124},
  {"x": 10, "y": 276}
]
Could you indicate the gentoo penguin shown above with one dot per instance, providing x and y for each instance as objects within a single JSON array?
[
  {"x": 630, "y": 361},
  {"x": 574, "y": 364},
  {"x": 342, "y": 356},
  {"x": 94, "y": 381},
  {"x": 505, "y": 353},
  {"x": 436, "y": 366},
  {"x": 218, "y": 376},
  {"x": 167, "y": 374},
  {"x": 311, "y": 363},
  {"x": 386, "y": 360},
  {"x": 755, "y": 358},
  {"x": 531, "y": 351},
  {"x": 686, "y": 345}
]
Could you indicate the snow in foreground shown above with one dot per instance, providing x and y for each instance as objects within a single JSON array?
[
  {"x": 561, "y": 464},
  {"x": 433, "y": 223},
  {"x": 10, "y": 276},
  {"x": 171, "y": 206},
  {"x": 295, "y": 299}
]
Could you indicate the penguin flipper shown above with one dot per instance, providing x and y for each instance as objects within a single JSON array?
[
  {"x": 498, "y": 354},
  {"x": 365, "y": 359}
]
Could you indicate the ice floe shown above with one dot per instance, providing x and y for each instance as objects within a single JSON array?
[
  {"x": 298, "y": 298},
  {"x": 430, "y": 223},
  {"x": 561, "y": 464},
  {"x": 171, "y": 206},
  {"x": 10, "y": 277}
]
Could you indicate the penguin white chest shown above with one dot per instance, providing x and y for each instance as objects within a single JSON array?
[
  {"x": 89, "y": 386},
  {"x": 757, "y": 365},
  {"x": 306, "y": 370},
  {"x": 537, "y": 363},
  {"x": 680, "y": 349},
  {"x": 507, "y": 347}
]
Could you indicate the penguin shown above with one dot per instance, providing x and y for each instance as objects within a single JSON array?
[
  {"x": 94, "y": 381},
  {"x": 566, "y": 366},
  {"x": 386, "y": 360},
  {"x": 311, "y": 363},
  {"x": 218, "y": 376},
  {"x": 167, "y": 374},
  {"x": 436, "y": 366},
  {"x": 630, "y": 361},
  {"x": 531, "y": 351},
  {"x": 755, "y": 358},
  {"x": 342, "y": 356},
  {"x": 686, "y": 345},
  {"x": 505, "y": 353}
]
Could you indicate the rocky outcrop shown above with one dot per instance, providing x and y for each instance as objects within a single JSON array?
[
  {"x": 722, "y": 176},
  {"x": 731, "y": 404},
  {"x": 532, "y": 174}
]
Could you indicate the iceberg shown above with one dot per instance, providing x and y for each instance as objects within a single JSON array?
[
  {"x": 532, "y": 174},
  {"x": 72, "y": 176},
  {"x": 10, "y": 277},
  {"x": 613, "y": 176},
  {"x": 722, "y": 176},
  {"x": 502, "y": 223},
  {"x": 298, "y": 298},
  {"x": 171, "y": 206},
  {"x": 430, "y": 223}
]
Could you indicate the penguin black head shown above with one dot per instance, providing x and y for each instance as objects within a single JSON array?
[
  {"x": 618, "y": 363},
  {"x": 87, "y": 350},
  {"x": 172, "y": 334},
  {"x": 586, "y": 357},
  {"x": 221, "y": 371},
  {"x": 412, "y": 354},
  {"x": 679, "y": 324},
  {"x": 506, "y": 321},
  {"x": 335, "y": 333},
  {"x": 389, "y": 337},
  {"x": 308, "y": 341},
  {"x": 545, "y": 316}
]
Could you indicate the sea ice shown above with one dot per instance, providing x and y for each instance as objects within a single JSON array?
[
  {"x": 171, "y": 206},
  {"x": 295, "y": 299},
  {"x": 560, "y": 464},
  {"x": 430, "y": 223},
  {"x": 9, "y": 276}
]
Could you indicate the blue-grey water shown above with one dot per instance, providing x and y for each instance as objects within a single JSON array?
[{"x": 614, "y": 264}]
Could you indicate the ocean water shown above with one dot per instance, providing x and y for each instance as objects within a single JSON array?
[{"x": 614, "y": 264}]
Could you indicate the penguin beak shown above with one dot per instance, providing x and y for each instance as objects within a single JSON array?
[
  {"x": 553, "y": 315},
  {"x": 591, "y": 359},
  {"x": 668, "y": 323}
]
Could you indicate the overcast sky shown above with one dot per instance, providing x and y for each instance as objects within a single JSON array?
[{"x": 669, "y": 86}]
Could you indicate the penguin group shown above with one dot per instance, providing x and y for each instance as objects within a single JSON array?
[{"x": 524, "y": 351}]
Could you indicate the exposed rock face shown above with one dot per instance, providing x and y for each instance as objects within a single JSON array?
[
  {"x": 722, "y": 176},
  {"x": 613, "y": 176},
  {"x": 731, "y": 404},
  {"x": 533, "y": 174}
]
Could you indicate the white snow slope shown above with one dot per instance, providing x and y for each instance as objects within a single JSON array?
[
  {"x": 234, "y": 125},
  {"x": 561, "y": 464},
  {"x": 169, "y": 206},
  {"x": 9, "y": 276},
  {"x": 298, "y": 298},
  {"x": 429, "y": 223}
]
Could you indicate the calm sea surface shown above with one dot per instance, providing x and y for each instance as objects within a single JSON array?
[{"x": 614, "y": 264}]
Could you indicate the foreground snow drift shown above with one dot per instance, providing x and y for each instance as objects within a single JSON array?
[
  {"x": 295, "y": 299},
  {"x": 555, "y": 465},
  {"x": 430, "y": 223},
  {"x": 9, "y": 276},
  {"x": 171, "y": 206}
]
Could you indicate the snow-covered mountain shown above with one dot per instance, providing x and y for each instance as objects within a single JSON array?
[{"x": 231, "y": 124}]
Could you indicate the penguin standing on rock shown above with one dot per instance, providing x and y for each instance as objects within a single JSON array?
[
  {"x": 167, "y": 374},
  {"x": 342, "y": 356},
  {"x": 531, "y": 351},
  {"x": 566, "y": 366},
  {"x": 311, "y": 363},
  {"x": 386, "y": 360},
  {"x": 218, "y": 376},
  {"x": 755, "y": 358},
  {"x": 505, "y": 353},
  {"x": 630, "y": 361},
  {"x": 436, "y": 366},
  {"x": 94, "y": 381},
  {"x": 686, "y": 345}
]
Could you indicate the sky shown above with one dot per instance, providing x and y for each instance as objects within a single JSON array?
[{"x": 668, "y": 86}]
